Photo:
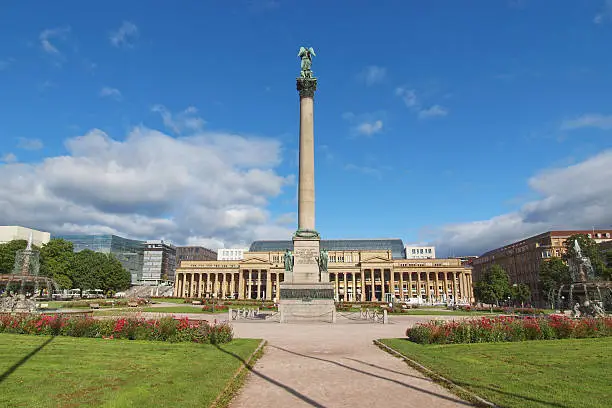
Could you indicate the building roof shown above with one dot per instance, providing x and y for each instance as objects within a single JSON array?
[{"x": 395, "y": 245}]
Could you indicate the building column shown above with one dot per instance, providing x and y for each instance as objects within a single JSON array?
[
  {"x": 428, "y": 283},
  {"x": 268, "y": 285},
  {"x": 363, "y": 285},
  {"x": 258, "y": 274},
  {"x": 437, "y": 288},
  {"x": 392, "y": 283},
  {"x": 420, "y": 295},
  {"x": 249, "y": 284},
  {"x": 345, "y": 275},
  {"x": 241, "y": 284},
  {"x": 223, "y": 284},
  {"x": 455, "y": 287},
  {"x": 409, "y": 285},
  {"x": 176, "y": 287},
  {"x": 354, "y": 283},
  {"x": 401, "y": 284},
  {"x": 183, "y": 286},
  {"x": 373, "y": 296},
  {"x": 382, "y": 284},
  {"x": 337, "y": 287},
  {"x": 446, "y": 286}
]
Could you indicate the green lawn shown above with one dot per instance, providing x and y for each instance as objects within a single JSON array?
[
  {"x": 425, "y": 312},
  {"x": 169, "y": 300},
  {"x": 178, "y": 309},
  {"x": 553, "y": 373},
  {"x": 80, "y": 372}
]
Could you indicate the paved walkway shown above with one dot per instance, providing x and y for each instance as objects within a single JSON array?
[{"x": 324, "y": 365}]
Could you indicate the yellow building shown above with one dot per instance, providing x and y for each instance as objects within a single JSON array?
[{"x": 361, "y": 270}]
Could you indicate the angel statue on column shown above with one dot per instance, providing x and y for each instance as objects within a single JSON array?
[{"x": 306, "y": 55}]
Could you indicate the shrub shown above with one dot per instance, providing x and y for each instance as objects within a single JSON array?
[
  {"x": 508, "y": 328},
  {"x": 131, "y": 328}
]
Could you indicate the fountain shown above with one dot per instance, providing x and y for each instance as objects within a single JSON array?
[
  {"x": 586, "y": 295},
  {"x": 24, "y": 285}
]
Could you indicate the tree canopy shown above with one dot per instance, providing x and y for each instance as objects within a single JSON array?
[
  {"x": 589, "y": 248},
  {"x": 82, "y": 270},
  {"x": 520, "y": 293},
  {"x": 494, "y": 286},
  {"x": 554, "y": 272}
]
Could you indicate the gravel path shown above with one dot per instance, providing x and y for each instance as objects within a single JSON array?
[{"x": 325, "y": 365}]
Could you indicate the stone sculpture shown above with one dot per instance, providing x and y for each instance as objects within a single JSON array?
[
  {"x": 323, "y": 259},
  {"x": 288, "y": 259}
]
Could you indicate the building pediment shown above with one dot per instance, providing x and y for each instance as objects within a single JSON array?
[
  {"x": 255, "y": 261},
  {"x": 377, "y": 259}
]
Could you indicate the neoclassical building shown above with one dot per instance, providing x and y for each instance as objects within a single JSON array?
[{"x": 361, "y": 270}]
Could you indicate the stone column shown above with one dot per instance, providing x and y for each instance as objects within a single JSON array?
[
  {"x": 373, "y": 284},
  {"x": 268, "y": 285},
  {"x": 249, "y": 284},
  {"x": 392, "y": 283},
  {"x": 363, "y": 286},
  {"x": 306, "y": 191},
  {"x": 354, "y": 283},
  {"x": 382, "y": 285},
  {"x": 337, "y": 284},
  {"x": 183, "y": 285},
  {"x": 401, "y": 284}
]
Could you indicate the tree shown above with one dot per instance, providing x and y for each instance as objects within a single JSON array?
[
  {"x": 95, "y": 270},
  {"x": 494, "y": 286},
  {"x": 520, "y": 293},
  {"x": 553, "y": 273},
  {"x": 7, "y": 254},
  {"x": 590, "y": 249},
  {"x": 56, "y": 259}
]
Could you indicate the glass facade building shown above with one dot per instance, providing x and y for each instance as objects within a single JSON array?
[
  {"x": 129, "y": 252},
  {"x": 395, "y": 245}
]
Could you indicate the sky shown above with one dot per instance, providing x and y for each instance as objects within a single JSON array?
[{"x": 463, "y": 124}]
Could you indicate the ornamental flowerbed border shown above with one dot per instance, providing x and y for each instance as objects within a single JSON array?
[
  {"x": 132, "y": 328},
  {"x": 508, "y": 328}
]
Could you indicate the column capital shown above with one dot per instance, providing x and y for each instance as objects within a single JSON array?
[{"x": 306, "y": 87}]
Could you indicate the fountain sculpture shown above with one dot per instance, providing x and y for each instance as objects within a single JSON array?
[
  {"x": 24, "y": 285},
  {"x": 586, "y": 295}
]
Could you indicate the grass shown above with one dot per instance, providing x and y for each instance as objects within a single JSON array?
[
  {"x": 79, "y": 372},
  {"x": 162, "y": 309},
  {"x": 420, "y": 312},
  {"x": 168, "y": 300},
  {"x": 552, "y": 373}
]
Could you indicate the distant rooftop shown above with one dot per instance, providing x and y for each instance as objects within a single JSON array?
[{"x": 395, "y": 245}]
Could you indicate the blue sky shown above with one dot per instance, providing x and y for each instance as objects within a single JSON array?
[{"x": 464, "y": 124}]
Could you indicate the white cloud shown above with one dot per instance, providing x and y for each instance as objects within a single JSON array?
[
  {"x": 208, "y": 186},
  {"x": 185, "y": 121},
  {"x": 47, "y": 35},
  {"x": 605, "y": 14},
  {"x": 408, "y": 96},
  {"x": 595, "y": 120},
  {"x": 8, "y": 158},
  {"x": 365, "y": 124},
  {"x": 373, "y": 74},
  {"x": 125, "y": 35},
  {"x": 29, "y": 144},
  {"x": 370, "y": 128},
  {"x": 113, "y": 93},
  {"x": 572, "y": 197},
  {"x": 411, "y": 100},
  {"x": 433, "y": 111}
]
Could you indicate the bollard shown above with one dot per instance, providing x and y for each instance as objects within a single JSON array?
[
  {"x": 229, "y": 314},
  {"x": 385, "y": 317}
]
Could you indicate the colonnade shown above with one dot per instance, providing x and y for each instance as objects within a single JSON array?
[
  {"x": 385, "y": 284},
  {"x": 363, "y": 285},
  {"x": 246, "y": 284}
]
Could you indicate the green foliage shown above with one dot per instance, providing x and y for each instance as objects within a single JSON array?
[
  {"x": 83, "y": 270},
  {"x": 553, "y": 273},
  {"x": 56, "y": 259},
  {"x": 589, "y": 248},
  {"x": 520, "y": 293},
  {"x": 7, "y": 254},
  {"x": 494, "y": 286}
]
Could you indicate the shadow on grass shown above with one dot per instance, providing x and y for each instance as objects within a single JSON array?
[
  {"x": 24, "y": 359},
  {"x": 290, "y": 390},
  {"x": 475, "y": 387}
]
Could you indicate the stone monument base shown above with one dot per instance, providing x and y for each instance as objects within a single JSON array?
[{"x": 307, "y": 302}]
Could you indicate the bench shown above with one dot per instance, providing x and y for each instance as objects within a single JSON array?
[
  {"x": 132, "y": 304},
  {"x": 94, "y": 305},
  {"x": 196, "y": 302},
  {"x": 43, "y": 305}
]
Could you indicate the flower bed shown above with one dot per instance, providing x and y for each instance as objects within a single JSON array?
[
  {"x": 164, "y": 329},
  {"x": 506, "y": 310},
  {"x": 505, "y": 328}
]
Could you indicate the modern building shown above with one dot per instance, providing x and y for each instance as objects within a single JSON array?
[
  {"x": 11, "y": 233},
  {"x": 159, "y": 263},
  {"x": 230, "y": 254},
  {"x": 522, "y": 259},
  {"x": 420, "y": 252},
  {"x": 128, "y": 251},
  {"x": 361, "y": 270},
  {"x": 194, "y": 253}
]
